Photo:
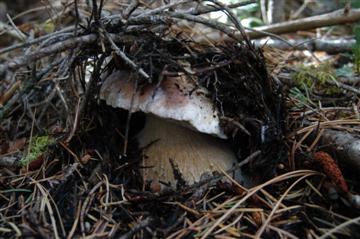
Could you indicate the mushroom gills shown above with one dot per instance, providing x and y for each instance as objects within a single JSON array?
[{"x": 195, "y": 154}]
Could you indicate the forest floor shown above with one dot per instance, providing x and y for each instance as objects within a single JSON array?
[{"x": 70, "y": 165}]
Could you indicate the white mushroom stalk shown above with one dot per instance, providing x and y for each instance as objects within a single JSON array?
[
  {"x": 182, "y": 125},
  {"x": 195, "y": 154}
]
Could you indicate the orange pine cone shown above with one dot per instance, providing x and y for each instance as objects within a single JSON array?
[{"x": 331, "y": 169}]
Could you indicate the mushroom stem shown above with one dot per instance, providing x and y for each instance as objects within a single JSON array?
[{"x": 193, "y": 153}]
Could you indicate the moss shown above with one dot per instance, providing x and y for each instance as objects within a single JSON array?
[
  {"x": 323, "y": 72},
  {"x": 38, "y": 147},
  {"x": 356, "y": 52},
  {"x": 356, "y": 49}
]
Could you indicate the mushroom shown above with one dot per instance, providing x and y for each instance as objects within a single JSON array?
[{"x": 182, "y": 126}]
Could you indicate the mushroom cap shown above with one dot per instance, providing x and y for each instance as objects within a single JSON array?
[{"x": 176, "y": 98}]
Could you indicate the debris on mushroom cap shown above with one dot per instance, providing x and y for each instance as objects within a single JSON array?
[{"x": 175, "y": 98}]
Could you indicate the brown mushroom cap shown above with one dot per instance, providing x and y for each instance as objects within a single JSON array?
[{"x": 176, "y": 98}]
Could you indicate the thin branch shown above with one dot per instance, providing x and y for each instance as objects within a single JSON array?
[
  {"x": 334, "y": 18},
  {"x": 207, "y": 9},
  {"x": 123, "y": 56},
  {"x": 329, "y": 45},
  {"x": 21, "y": 35},
  {"x": 130, "y": 9},
  {"x": 210, "y": 23},
  {"x": 235, "y": 21},
  {"x": 163, "y": 8},
  {"x": 61, "y": 46},
  {"x": 142, "y": 224},
  {"x": 35, "y": 41},
  {"x": 55, "y": 48},
  {"x": 4, "y": 28},
  {"x": 338, "y": 227},
  {"x": 329, "y": 19}
]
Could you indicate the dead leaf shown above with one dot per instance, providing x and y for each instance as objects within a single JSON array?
[
  {"x": 37, "y": 163},
  {"x": 16, "y": 145}
]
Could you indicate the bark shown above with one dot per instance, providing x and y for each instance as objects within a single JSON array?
[
  {"x": 334, "y": 18},
  {"x": 329, "y": 45},
  {"x": 345, "y": 145},
  {"x": 263, "y": 11},
  {"x": 9, "y": 161},
  {"x": 275, "y": 12}
]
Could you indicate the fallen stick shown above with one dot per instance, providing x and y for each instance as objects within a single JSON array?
[
  {"x": 329, "y": 45},
  {"x": 9, "y": 93},
  {"x": 329, "y": 19},
  {"x": 8, "y": 30},
  {"x": 24, "y": 60},
  {"x": 344, "y": 144},
  {"x": 201, "y": 9},
  {"x": 9, "y": 161}
]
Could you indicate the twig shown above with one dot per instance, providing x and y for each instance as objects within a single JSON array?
[
  {"x": 149, "y": 20},
  {"x": 55, "y": 48},
  {"x": 130, "y": 9},
  {"x": 47, "y": 198},
  {"x": 76, "y": 221},
  {"x": 252, "y": 191},
  {"x": 76, "y": 121},
  {"x": 208, "y": 22},
  {"x": 338, "y": 227},
  {"x": 95, "y": 13},
  {"x": 123, "y": 56},
  {"x": 300, "y": 9},
  {"x": 328, "y": 45},
  {"x": 9, "y": 93},
  {"x": 20, "y": 61},
  {"x": 21, "y": 35},
  {"x": 77, "y": 16},
  {"x": 142, "y": 224},
  {"x": 263, "y": 11},
  {"x": 237, "y": 124},
  {"x": 207, "y": 9},
  {"x": 329, "y": 19},
  {"x": 35, "y": 41},
  {"x": 235, "y": 21},
  {"x": 334, "y": 18},
  {"x": 4, "y": 28},
  {"x": 276, "y": 206},
  {"x": 162, "y": 8}
]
